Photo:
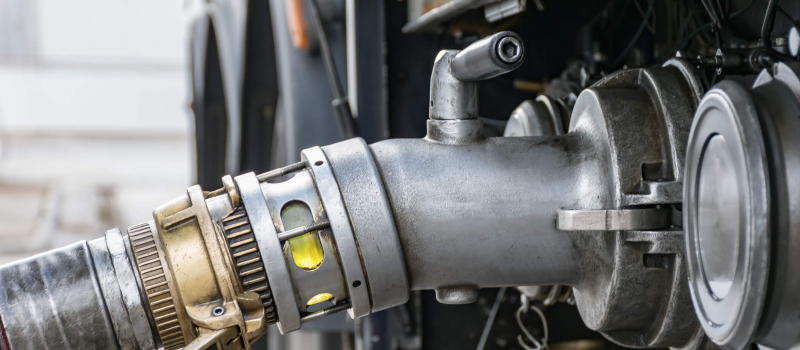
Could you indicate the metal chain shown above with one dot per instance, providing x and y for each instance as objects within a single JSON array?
[{"x": 523, "y": 308}]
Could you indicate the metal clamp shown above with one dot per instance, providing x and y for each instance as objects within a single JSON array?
[
  {"x": 271, "y": 251},
  {"x": 157, "y": 285},
  {"x": 613, "y": 220},
  {"x": 332, "y": 200},
  {"x": 129, "y": 289},
  {"x": 109, "y": 285}
]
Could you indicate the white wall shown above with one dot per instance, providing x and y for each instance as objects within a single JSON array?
[{"x": 94, "y": 121}]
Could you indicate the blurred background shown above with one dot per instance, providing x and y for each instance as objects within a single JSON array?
[
  {"x": 109, "y": 108},
  {"x": 94, "y": 118}
]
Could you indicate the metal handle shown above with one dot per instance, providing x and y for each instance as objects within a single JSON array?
[{"x": 489, "y": 57}]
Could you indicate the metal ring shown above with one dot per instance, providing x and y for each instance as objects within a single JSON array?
[
  {"x": 346, "y": 245},
  {"x": 129, "y": 289},
  {"x": 233, "y": 193},
  {"x": 112, "y": 295},
  {"x": 271, "y": 252},
  {"x": 688, "y": 72},
  {"x": 372, "y": 220},
  {"x": 157, "y": 285},
  {"x": 730, "y": 320},
  {"x": 778, "y": 97},
  {"x": 555, "y": 114},
  {"x": 243, "y": 248}
]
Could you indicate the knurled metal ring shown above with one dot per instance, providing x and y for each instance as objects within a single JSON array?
[
  {"x": 247, "y": 259},
  {"x": 156, "y": 283}
]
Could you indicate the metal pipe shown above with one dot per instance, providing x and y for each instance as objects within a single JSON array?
[
  {"x": 280, "y": 171},
  {"x": 56, "y": 298},
  {"x": 454, "y": 87},
  {"x": 483, "y": 214},
  {"x": 344, "y": 115},
  {"x": 296, "y": 232},
  {"x": 489, "y": 57},
  {"x": 325, "y": 312}
]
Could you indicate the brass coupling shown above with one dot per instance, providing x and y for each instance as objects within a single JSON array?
[{"x": 190, "y": 278}]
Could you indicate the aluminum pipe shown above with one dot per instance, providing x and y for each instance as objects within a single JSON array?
[
  {"x": 489, "y": 57},
  {"x": 474, "y": 215}
]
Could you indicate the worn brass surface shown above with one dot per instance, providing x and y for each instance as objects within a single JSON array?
[
  {"x": 202, "y": 269},
  {"x": 246, "y": 258},
  {"x": 169, "y": 318},
  {"x": 233, "y": 192}
]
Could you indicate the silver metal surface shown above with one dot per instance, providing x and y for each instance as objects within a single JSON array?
[
  {"x": 726, "y": 170},
  {"x": 453, "y": 111},
  {"x": 327, "y": 277},
  {"x": 718, "y": 216},
  {"x": 271, "y": 252},
  {"x": 129, "y": 289},
  {"x": 779, "y": 100},
  {"x": 455, "y": 131},
  {"x": 509, "y": 49},
  {"x": 484, "y": 231},
  {"x": 296, "y": 232},
  {"x": 503, "y": 9},
  {"x": 489, "y": 57},
  {"x": 688, "y": 72},
  {"x": 613, "y": 220},
  {"x": 544, "y": 116},
  {"x": 111, "y": 294},
  {"x": 53, "y": 301},
  {"x": 530, "y": 118},
  {"x": 280, "y": 171},
  {"x": 457, "y": 295},
  {"x": 371, "y": 215},
  {"x": 325, "y": 312},
  {"x": 557, "y": 111},
  {"x": 496, "y": 226},
  {"x": 346, "y": 245},
  {"x": 451, "y": 98},
  {"x": 219, "y": 207}
]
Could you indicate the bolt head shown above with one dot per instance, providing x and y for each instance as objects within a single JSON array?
[{"x": 509, "y": 49}]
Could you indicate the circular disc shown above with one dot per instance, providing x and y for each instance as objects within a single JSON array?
[
  {"x": 778, "y": 99},
  {"x": 726, "y": 205}
]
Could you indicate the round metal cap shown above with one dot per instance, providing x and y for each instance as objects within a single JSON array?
[
  {"x": 509, "y": 49},
  {"x": 726, "y": 202},
  {"x": 778, "y": 97}
]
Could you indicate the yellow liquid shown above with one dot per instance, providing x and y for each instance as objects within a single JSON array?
[
  {"x": 319, "y": 298},
  {"x": 306, "y": 249}
]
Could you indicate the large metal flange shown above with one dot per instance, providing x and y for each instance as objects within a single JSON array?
[
  {"x": 726, "y": 215},
  {"x": 777, "y": 96}
]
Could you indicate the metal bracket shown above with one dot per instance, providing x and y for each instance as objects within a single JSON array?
[{"x": 613, "y": 220}]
